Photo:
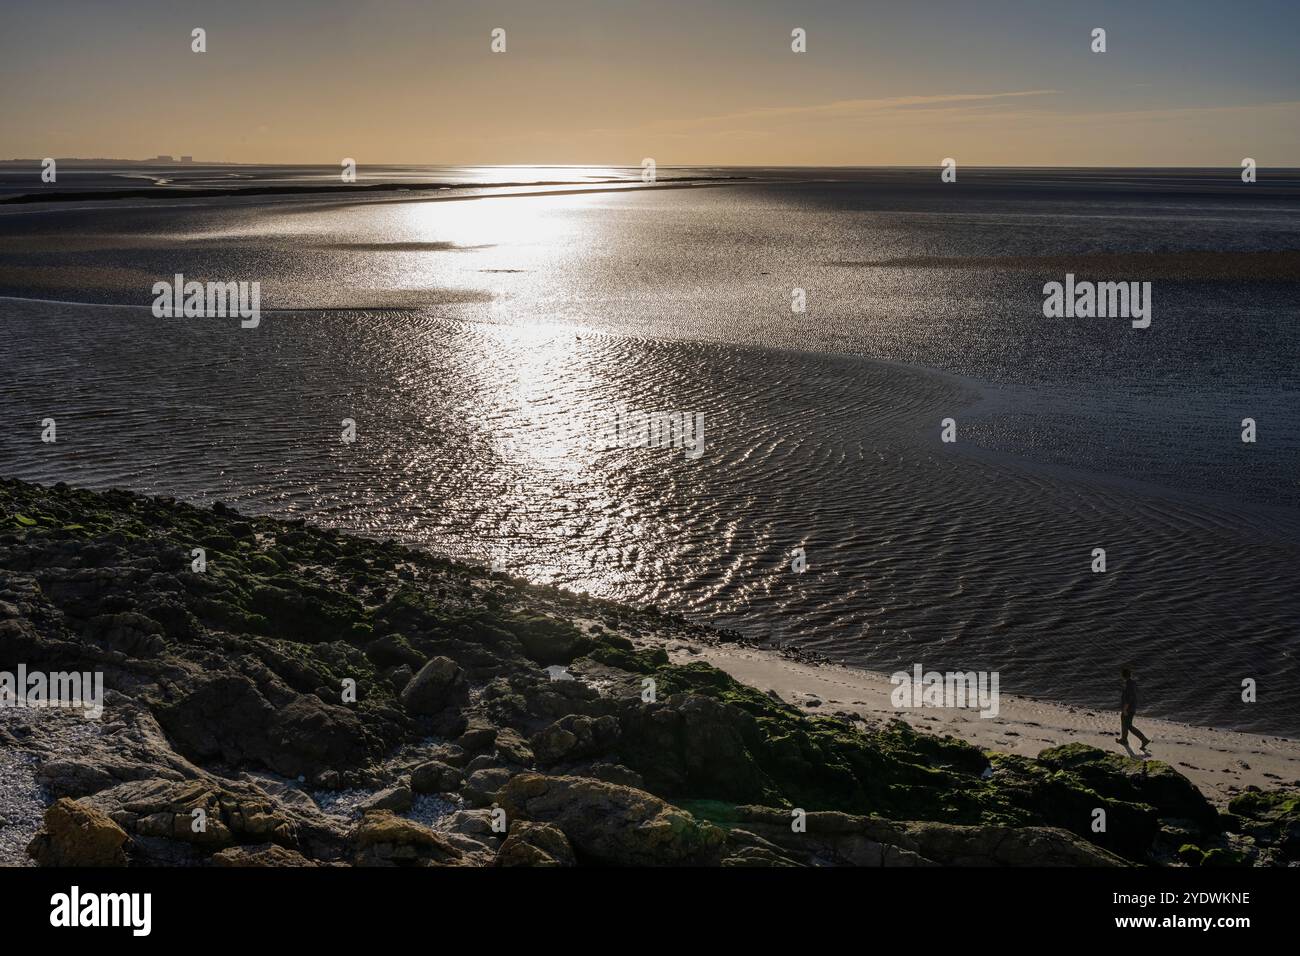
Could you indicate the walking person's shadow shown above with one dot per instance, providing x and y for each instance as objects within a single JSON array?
[{"x": 1142, "y": 754}]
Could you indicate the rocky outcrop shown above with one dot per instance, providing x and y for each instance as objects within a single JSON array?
[
  {"x": 181, "y": 822},
  {"x": 227, "y": 719}
]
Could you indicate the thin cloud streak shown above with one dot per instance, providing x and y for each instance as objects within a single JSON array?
[{"x": 842, "y": 109}]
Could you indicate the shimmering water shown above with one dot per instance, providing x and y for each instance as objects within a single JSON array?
[{"x": 470, "y": 337}]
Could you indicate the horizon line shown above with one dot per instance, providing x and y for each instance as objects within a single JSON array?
[{"x": 630, "y": 166}]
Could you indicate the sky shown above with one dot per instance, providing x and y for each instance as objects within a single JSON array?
[{"x": 685, "y": 82}]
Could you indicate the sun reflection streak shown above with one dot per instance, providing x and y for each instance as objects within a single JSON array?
[
  {"x": 518, "y": 221},
  {"x": 549, "y": 396}
]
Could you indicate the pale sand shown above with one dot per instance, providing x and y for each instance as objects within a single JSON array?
[{"x": 1220, "y": 762}]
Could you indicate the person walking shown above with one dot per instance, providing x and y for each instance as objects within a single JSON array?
[{"x": 1127, "y": 710}]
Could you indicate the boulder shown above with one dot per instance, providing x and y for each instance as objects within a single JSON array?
[
  {"x": 693, "y": 743},
  {"x": 610, "y": 824},
  {"x": 482, "y": 786},
  {"x": 548, "y": 640},
  {"x": 73, "y": 777},
  {"x": 75, "y": 834},
  {"x": 436, "y": 777},
  {"x": 479, "y": 736},
  {"x": 382, "y": 838},
  {"x": 392, "y": 650},
  {"x": 226, "y": 718},
  {"x": 309, "y": 736},
  {"x": 1271, "y": 818},
  {"x": 1128, "y": 779},
  {"x": 482, "y": 762},
  {"x": 511, "y": 748},
  {"x": 260, "y": 855},
  {"x": 850, "y": 840},
  {"x": 535, "y": 844},
  {"x": 748, "y": 849},
  {"x": 439, "y": 691},
  {"x": 471, "y": 823},
  {"x": 575, "y": 737},
  {"x": 398, "y": 799},
  {"x": 953, "y": 845},
  {"x": 309, "y": 613}
]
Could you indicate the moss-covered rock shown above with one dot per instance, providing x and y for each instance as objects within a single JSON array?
[
  {"x": 1271, "y": 818},
  {"x": 612, "y": 824},
  {"x": 1222, "y": 856},
  {"x": 1191, "y": 854},
  {"x": 1150, "y": 782}
]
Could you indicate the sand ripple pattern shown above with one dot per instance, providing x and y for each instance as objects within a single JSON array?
[{"x": 470, "y": 443}]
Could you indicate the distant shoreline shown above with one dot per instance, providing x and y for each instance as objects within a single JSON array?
[{"x": 160, "y": 192}]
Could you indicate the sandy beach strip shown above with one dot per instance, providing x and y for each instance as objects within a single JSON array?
[{"x": 1221, "y": 762}]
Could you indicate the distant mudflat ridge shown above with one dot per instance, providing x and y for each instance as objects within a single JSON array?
[
  {"x": 173, "y": 192},
  {"x": 1282, "y": 264}
]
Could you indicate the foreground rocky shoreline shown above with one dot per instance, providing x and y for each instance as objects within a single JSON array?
[{"x": 493, "y": 722}]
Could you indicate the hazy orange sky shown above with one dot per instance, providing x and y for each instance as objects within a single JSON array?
[{"x": 612, "y": 82}]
